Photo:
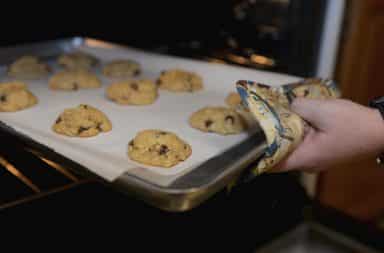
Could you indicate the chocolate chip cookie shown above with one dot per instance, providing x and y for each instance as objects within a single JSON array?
[
  {"x": 275, "y": 93},
  {"x": 14, "y": 96},
  {"x": 233, "y": 100},
  {"x": 121, "y": 69},
  {"x": 74, "y": 80},
  {"x": 158, "y": 148},
  {"x": 179, "y": 81},
  {"x": 77, "y": 61},
  {"x": 219, "y": 120},
  {"x": 28, "y": 67},
  {"x": 82, "y": 121},
  {"x": 314, "y": 88},
  {"x": 133, "y": 92}
]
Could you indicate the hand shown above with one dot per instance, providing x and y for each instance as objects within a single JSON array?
[{"x": 339, "y": 131}]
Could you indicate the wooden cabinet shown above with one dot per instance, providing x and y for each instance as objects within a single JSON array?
[{"x": 358, "y": 188}]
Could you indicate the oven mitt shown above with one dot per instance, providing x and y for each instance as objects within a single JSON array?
[{"x": 283, "y": 129}]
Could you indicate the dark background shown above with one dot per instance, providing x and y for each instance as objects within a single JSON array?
[
  {"x": 154, "y": 25},
  {"x": 146, "y": 22}
]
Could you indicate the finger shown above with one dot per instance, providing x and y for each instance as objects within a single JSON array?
[
  {"x": 302, "y": 157},
  {"x": 312, "y": 110}
]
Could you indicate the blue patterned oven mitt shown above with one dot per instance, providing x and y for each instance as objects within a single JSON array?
[{"x": 270, "y": 107}]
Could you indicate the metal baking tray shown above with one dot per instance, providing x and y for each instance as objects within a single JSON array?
[{"x": 183, "y": 193}]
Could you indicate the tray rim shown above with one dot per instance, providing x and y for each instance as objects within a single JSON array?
[{"x": 166, "y": 198}]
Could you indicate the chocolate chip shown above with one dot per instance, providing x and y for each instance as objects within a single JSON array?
[
  {"x": 134, "y": 86},
  {"x": 230, "y": 119},
  {"x": 58, "y": 120},
  {"x": 3, "y": 98},
  {"x": 208, "y": 123},
  {"x": 75, "y": 86},
  {"x": 157, "y": 135},
  {"x": 163, "y": 150},
  {"x": 158, "y": 82},
  {"x": 190, "y": 87},
  {"x": 131, "y": 143},
  {"x": 98, "y": 127},
  {"x": 136, "y": 73},
  {"x": 306, "y": 92},
  {"x": 82, "y": 129},
  {"x": 185, "y": 146}
]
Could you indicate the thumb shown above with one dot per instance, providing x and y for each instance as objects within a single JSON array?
[{"x": 311, "y": 110}]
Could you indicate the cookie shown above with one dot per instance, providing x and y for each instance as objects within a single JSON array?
[
  {"x": 82, "y": 121},
  {"x": 274, "y": 93},
  {"x": 14, "y": 96},
  {"x": 74, "y": 80},
  {"x": 158, "y": 148},
  {"x": 179, "y": 81},
  {"x": 77, "y": 61},
  {"x": 219, "y": 120},
  {"x": 314, "y": 88},
  {"x": 133, "y": 92},
  {"x": 233, "y": 100},
  {"x": 121, "y": 69},
  {"x": 28, "y": 67}
]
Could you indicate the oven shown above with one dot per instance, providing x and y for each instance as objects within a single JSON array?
[{"x": 288, "y": 36}]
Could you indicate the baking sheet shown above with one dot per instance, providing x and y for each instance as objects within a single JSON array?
[{"x": 106, "y": 154}]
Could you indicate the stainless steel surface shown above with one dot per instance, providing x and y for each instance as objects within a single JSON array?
[
  {"x": 314, "y": 238},
  {"x": 183, "y": 193}
]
